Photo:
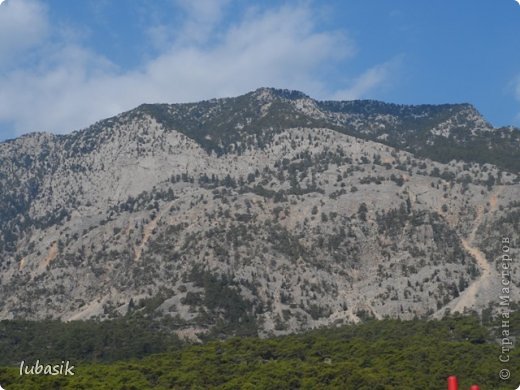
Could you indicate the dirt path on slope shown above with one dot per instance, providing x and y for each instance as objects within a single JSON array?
[
  {"x": 51, "y": 255},
  {"x": 468, "y": 298},
  {"x": 147, "y": 232}
]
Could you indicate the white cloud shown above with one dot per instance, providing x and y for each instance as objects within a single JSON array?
[
  {"x": 202, "y": 16},
  {"x": 72, "y": 86},
  {"x": 23, "y": 25},
  {"x": 367, "y": 82}
]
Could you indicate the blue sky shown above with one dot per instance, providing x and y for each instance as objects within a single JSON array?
[{"x": 66, "y": 64}]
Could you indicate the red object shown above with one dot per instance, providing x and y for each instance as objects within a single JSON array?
[
  {"x": 474, "y": 387},
  {"x": 452, "y": 383}
]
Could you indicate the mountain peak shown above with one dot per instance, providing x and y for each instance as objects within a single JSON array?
[{"x": 268, "y": 93}]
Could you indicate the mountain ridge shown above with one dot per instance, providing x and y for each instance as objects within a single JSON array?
[
  {"x": 260, "y": 213},
  {"x": 413, "y": 113},
  {"x": 472, "y": 138}
]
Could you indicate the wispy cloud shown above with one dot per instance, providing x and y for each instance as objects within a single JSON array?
[
  {"x": 72, "y": 86},
  {"x": 23, "y": 25},
  {"x": 365, "y": 84},
  {"x": 201, "y": 18}
]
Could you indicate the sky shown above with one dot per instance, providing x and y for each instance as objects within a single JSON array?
[{"x": 67, "y": 64}]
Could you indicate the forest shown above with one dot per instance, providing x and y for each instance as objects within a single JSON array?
[{"x": 385, "y": 354}]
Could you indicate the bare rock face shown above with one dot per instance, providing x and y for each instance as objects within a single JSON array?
[{"x": 270, "y": 212}]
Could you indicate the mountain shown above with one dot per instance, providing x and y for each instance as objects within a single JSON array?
[{"x": 266, "y": 213}]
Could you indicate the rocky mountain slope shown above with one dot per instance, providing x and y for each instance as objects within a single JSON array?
[{"x": 269, "y": 212}]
